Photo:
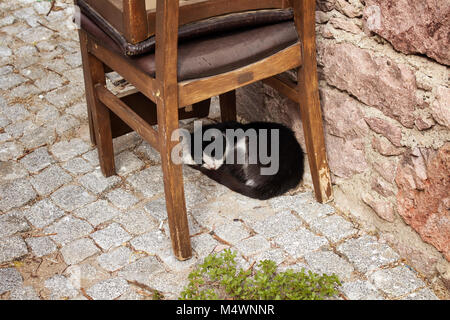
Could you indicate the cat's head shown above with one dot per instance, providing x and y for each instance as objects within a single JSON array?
[
  {"x": 210, "y": 158},
  {"x": 214, "y": 148}
]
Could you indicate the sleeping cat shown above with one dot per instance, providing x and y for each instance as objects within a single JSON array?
[{"x": 260, "y": 160}]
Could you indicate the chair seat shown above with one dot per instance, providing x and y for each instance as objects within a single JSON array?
[{"x": 210, "y": 56}]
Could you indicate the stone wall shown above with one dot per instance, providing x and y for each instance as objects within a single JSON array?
[{"x": 384, "y": 87}]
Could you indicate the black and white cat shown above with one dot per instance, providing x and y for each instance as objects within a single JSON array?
[{"x": 260, "y": 160}]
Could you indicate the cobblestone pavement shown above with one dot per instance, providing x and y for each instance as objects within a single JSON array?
[{"x": 66, "y": 232}]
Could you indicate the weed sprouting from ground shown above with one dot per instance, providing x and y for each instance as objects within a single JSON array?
[{"x": 218, "y": 277}]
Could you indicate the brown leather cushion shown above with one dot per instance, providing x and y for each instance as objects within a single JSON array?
[{"x": 211, "y": 55}]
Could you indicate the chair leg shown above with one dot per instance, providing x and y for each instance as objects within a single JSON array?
[
  {"x": 173, "y": 181},
  {"x": 87, "y": 82},
  {"x": 228, "y": 106},
  {"x": 99, "y": 115},
  {"x": 308, "y": 97},
  {"x": 313, "y": 130}
]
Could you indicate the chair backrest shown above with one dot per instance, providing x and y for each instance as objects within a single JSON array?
[{"x": 136, "y": 19}]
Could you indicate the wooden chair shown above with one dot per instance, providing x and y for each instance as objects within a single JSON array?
[{"x": 121, "y": 35}]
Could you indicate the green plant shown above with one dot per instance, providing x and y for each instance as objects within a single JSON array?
[
  {"x": 157, "y": 295},
  {"x": 219, "y": 278}
]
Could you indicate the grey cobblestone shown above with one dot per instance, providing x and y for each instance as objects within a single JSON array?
[
  {"x": 169, "y": 282},
  {"x": 63, "y": 96},
  {"x": 311, "y": 211},
  {"x": 78, "y": 110},
  {"x": 68, "y": 229},
  {"x": 334, "y": 228},
  {"x": 11, "y": 223},
  {"x": 153, "y": 242},
  {"x": 10, "y": 80},
  {"x": 17, "y": 129},
  {"x": 97, "y": 212},
  {"x": 253, "y": 245},
  {"x": 35, "y": 35},
  {"x": 142, "y": 270},
  {"x": 85, "y": 275},
  {"x": 72, "y": 197},
  {"x": 24, "y": 293},
  {"x": 24, "y": 13},
  {"x": 12, "y": 248},
  {"x": 275, "y": 225},
  {"x": 25, "y": 56},
  {"x": 149, "y": 181},
  {"x": 15, "y": 194},
  {"x": 211, "y": 215},
  {"x": 127, "y": 162},
  {"x": 157, "y": 209},
  {"x": 38, "y": 137},
  {"x": 125, "y": 142},
  {"x": 148, "y": 153},
  {"x": 109, "y": 289},
  {"x": 276, "y": 255},
  {"x": 8, "y": 20},
  {"x": 37, "y": 160},
  {"x": 49, "y": 180},
  {"x": 41, "y": 246},
  {"x": 5, "y": 52},
  {"x": 73, "y": 60},
  {"x": 422, "y": 294},
  {"x": 67, "y": 150},
  {"x": 64, "y": 124},
  {"x": 122, "y": 199},
  {"x": 300, "y": 242},
  {"x": 136, "y": 222},
  {"x": 232, "y": 232},
  {"x": 79, "y": 250},
  {"x": 204, "y": 244},
  {"x": 92, "y": 157},
  {"x": 10, "y": 279},
  {"x": 366, "y": 253},
  {"x": 97, "y": 183},
  {"x": 197, "y": 192},
  {"x": 5, "y": 137},
  {"x": 116, "y": 259},
  {"x": 10, "y": 171},
  {"x": 59, "y": 97},
  {"x": 111, "y": 236},
  {"x": 41, "y": 7},
  {"x": 131, "y": 295},
  {"x": 329, "y": 263},
  {"x": 61, "y": 288},
  {"x": 361, "y": 290},
  {"x": 397, "y": 281},
  {"x": 42, "y": 213},
  {"x": 24, "y": 91},
  {"x": 17, "y": 112},
  {"x": 4, "y": 121},
  {"x": 291, "y": 202},
  {"x": 78, "y": 166},
  {"x": 33, "y": 72}
]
